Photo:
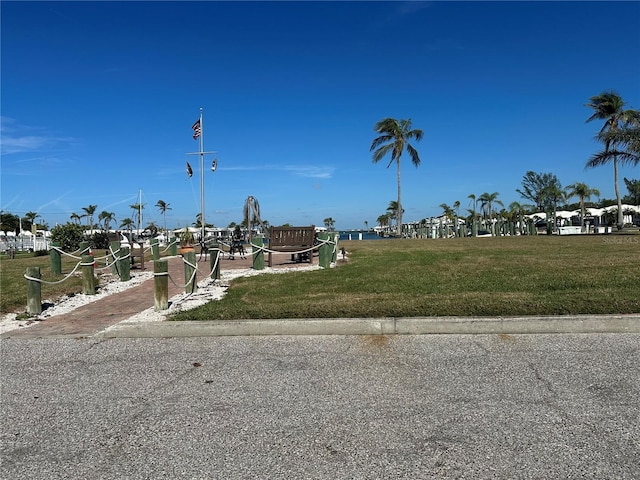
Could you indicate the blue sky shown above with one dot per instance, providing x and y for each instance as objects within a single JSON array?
[{"x": 98, "y": 100}]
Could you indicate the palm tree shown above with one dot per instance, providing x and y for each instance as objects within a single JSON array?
[
  {"x": 456, "y": 207},
  {"x": 392, "y": 211},
  {"x": 472, "y": 212},
  {"x": 583, "y": 192},
  {"x": 609, "y": 106},
  {"x": 75, "y": 217},
  {"x": 163, "y": 207},
  {"x": 89, "y": 211},
  {"x": 394, "y": 138},
  {"x": 106, "y": 218},
  {"x": 486, "y": 204},
  {"x": 384, "y": 219},
  {"x": 137, "y": 213},
  {"x": 31, "y": 218},
  {"x": 128, "y": 224},
  {"x": 627, "y": 140},
  {"x": 554, "y": 194},
  {"x": 448, "y": 212},
  {"x": 329, "y": 223}
]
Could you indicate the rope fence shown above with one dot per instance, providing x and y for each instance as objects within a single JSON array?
[{"x": 120, "y": 260}]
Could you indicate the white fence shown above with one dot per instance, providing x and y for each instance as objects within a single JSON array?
[{"x": 24, "y": 243}]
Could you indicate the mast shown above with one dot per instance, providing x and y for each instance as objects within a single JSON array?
[
  {"x": 202, "y": 222},
  {"x": 200, "y": 133}
]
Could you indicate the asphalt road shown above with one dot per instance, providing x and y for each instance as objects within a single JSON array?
[{"x": 322, "y": 407}]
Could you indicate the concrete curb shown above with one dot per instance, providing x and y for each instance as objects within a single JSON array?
[{"x": 378, "y": 326}]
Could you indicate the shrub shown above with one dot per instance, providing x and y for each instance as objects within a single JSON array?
[
  {"x": 99, "y": 241},
  {"x": 68, "y": 236}
]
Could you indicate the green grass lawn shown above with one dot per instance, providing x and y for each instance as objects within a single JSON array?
[
  {"x": 543, "y": 275},
  {"x": 13, "y": 287}
]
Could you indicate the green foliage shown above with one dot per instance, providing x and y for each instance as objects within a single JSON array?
[
  {"x": 633, "y": 187},
  {"x": 9, "y": 222},
  {"x": 540, "y": 188},
  {"x": 99, "y": 241},
  {"x": 187, "y": 238},
  {"x": 68, "y": 236}
]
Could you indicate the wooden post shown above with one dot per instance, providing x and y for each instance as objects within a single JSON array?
[
  {"x": 214, "y": 259},
  {"x": 160, "y": 285},
  {"x": 56, "y": 259},
  {"x": 173, "y": 246},
  {"x": 124, "y": 265},
  {"x": 114, "y": 248},
  {"x": 190, "y": 280},
  {"x": 324, "y": 253},
  {"x": 84, "y": 248},
  {"x": 34, "y": 292},
  {"x": 141, "y": 245},
  {"x": 257, "y": 253},
  {"x": 155, "y": 249},
  {"x": 88, "y": 279}
]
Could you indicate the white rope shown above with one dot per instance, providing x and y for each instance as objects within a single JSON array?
[
  {"x": 59, "y": 250},
  {"x": 265, "y": 249},
  {"x": 39, "y": 280}
]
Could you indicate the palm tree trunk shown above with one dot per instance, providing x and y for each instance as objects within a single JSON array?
[
  {"x": 620, "y": 223},
  {"x": 582, "y": 214},
  {"x": 399, "y": 214}
]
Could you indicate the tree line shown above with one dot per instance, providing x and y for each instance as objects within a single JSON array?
[{"x": 619, "y": 135}]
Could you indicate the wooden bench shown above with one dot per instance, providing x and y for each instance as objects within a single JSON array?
[{"x": 292, "y": 240}]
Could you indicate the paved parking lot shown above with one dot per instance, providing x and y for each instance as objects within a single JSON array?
[{"x": 322, "y": 407}]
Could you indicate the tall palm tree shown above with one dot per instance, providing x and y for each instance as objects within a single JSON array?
[
  {"x": 137, "y": 213},
  {"x": 106, "y": 218},
  {"x": 448, "y": 212},
  {"x": 128, "y": 224},
  {"x": 472, "y": 213},
  {"x": 609, "y": 106},
  {"x": 394, "y": 138},
  {"x": 456, "y": 207},
  {"x": 89, "y": 211},
  {"x": 31, "y": 218},
  {"x": 583, "y": 192},
  {"x": 486, "y": 204},
  {"x": 75, "y": 217},
  {"x": 392, "y": 211},
  {"x": 163, "y": 207},
  {"x": 515, "y": 214}
]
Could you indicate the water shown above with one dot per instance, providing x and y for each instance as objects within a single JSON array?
[{"x": 355, "y": 235}]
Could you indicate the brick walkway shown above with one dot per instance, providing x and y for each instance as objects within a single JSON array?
[{"x": 109, "y": 310}]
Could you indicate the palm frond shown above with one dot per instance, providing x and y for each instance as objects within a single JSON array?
[
  {"x": 382, "y": 152},
  {"x": 607, "y": 156},
  {"x": 415, "y": 158},
  {"x": 379, "y": 141}
]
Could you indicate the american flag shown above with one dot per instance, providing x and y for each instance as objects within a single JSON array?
[
  {"x": 189, "y": 170},
  {"x": 196, "y": 129}
]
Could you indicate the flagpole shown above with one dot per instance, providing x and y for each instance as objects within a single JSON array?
[
  {"x": 199, "y": 132},
  {"x": 202, "y": 222}
]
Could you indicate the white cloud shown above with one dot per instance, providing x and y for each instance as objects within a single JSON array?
[{"x": 14, "y": 141}]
